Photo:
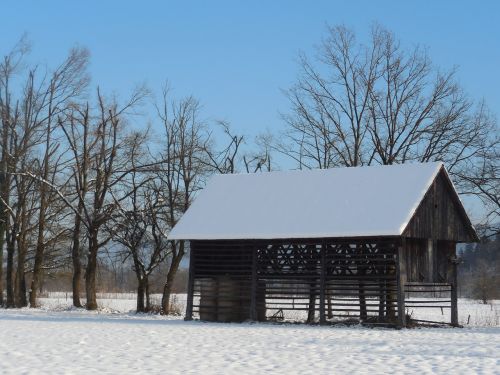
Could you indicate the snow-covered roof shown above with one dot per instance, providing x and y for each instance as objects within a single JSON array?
[{"x": 337, "y": 202}]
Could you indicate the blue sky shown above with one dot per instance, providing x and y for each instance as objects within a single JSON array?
[{"x": 235, "y": 56}]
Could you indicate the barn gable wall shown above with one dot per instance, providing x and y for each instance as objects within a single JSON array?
[{"x": 440, "y": 215}]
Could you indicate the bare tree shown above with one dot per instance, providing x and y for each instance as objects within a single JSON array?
[
  {"x": 9, "y": 112},
  {"x": 182, "y": 169},
  {"x": 482, "y": 179},
  {"x": 232, "y": 157},
  {"x": 328, "y": 124},
  {"x": 98, "y": 166},
  {"x": 27, "y": 130},
  {"x": 484, "y": 283},
  {"x": 135, "y": 224},
  {"x": 66, "y": 84},
  {"x": 379, "y": 103}
]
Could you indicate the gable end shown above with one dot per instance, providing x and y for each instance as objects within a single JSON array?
[{"x": 440, "y": 215}]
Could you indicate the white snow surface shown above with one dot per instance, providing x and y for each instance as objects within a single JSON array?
[
  {"x": 337, "y": 202},
  {"x": 78, "y": 342}
]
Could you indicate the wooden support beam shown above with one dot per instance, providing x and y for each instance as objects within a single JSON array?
[
  {"x": 454, "y": 292},
  {"x": 361, "y": 271},
  {"x": 401, "y": 279},
  {"x": 190, "y": 290},
  {"x": 253, "y": 287},
  {"x": 322, "y": 286}
]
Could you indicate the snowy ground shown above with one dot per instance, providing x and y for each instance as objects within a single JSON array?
[
  {"x": 58, "y": 340},
  {"x": 471, "y": 313}
]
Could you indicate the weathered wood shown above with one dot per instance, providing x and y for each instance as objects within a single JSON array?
[
  {"x": 401, "y": 279},
  {"x": 454, "y": 292},
  {"x": 190, "y": 289},
  {"x": 253, "y": 292},
  {"x": 440, "y": 215},
  {"x": 240, "y": 280},
  {"x": 322, "y": 287},
  {"x": 291, "y": 275}
]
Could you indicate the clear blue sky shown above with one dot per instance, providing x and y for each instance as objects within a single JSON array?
[{"x": 236, "y": 57}]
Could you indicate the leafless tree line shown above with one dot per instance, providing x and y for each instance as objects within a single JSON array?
[
  {"x": 82, "y": 178},
  {"x": 360, "y": 104}
]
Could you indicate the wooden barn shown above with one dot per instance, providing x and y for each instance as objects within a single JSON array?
[{"x": 366, "y": 244}]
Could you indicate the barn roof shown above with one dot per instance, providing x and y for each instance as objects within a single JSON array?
[{"x": 323, "y": 203}]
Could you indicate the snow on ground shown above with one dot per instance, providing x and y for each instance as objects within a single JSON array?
[
  {"x": 470, "y": 312},
  {"x": 58, "y": 340}
]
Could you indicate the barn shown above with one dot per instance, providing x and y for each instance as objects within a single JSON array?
[{"x": 361, "y": 244}]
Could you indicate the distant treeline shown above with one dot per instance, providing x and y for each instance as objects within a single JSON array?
[{"x": 479, "y": 272}]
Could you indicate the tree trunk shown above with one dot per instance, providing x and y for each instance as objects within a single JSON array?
[
  {"x": 3, "y": 230},
  {"x": 75, "y": 257},
  {"x": 4, "y": 192},
  {"x": 167, "y": 288},
  {"x": 148, "y": 299},
  {"x": 20, "y": 287},
  {"x": 76, "y": 282},
  {"x": 40, "y": 244},
  {"x": 2, "y": 236},
  {"x": 10, "y": 270},
  {"x": 140, "y": 295},
  {"x": 37, "y": 268},
  {"x": 90, "y": 273},
  {"x": 167, "y": 291}
]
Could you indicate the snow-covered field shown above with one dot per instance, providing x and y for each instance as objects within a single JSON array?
[
  {"x": 57, "y": 340},
  {"x": 471, "y": 313}
]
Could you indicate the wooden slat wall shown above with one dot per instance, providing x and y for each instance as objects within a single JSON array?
[
  {"x": 322, "y": 279},
  {"x": 439, "y": 217}
]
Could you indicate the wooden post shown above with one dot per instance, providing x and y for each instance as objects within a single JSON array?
[
  {"x": 322, "y": 282},
  {"x": 253, "y": 287},
  {"x": 454, "y": 292},
  {"x": 363, "y": 313},
  {"x": 401, "y": 279},
  {"x": 382, "y": 297},
  {"x": 190, "y": 290},
  {"x": 312, "y": 264}
]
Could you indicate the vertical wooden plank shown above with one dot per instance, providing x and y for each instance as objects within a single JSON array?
[
  {"x": 401, "y": 279},
  {"x": 429, "y": 259},
  {"x": 322, "y": 286},
  {"x": 454, "y": 289},
  {"x": 361, "y": 271},
  {"x": 383, "y": 292},
  {"x": 435, "y": 264},
  {"x": 190, "y": 291},
  {"x": 253, "y": 287}
]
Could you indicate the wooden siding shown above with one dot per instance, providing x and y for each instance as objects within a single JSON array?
[
  {"x": 440, "y": 215},
  {"x": 429, "y": 263}
]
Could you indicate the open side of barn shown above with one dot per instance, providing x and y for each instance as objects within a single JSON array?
[{"x": 372, "y": 279}]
